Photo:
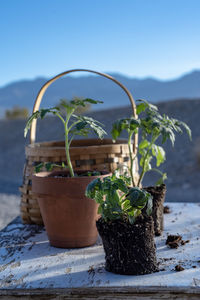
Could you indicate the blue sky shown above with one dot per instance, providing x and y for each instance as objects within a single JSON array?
[{"x": 139, "y": 38}]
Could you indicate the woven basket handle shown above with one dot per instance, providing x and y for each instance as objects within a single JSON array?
[{"x": 48, "y": 83}]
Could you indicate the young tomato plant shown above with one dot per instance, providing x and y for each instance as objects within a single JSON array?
[
  {"x": 152, "y": 125},
  {"x": 131, "y": 126},
  {"x": 121, "y": 197},
  {"x": 73, "y": 124},
  {"x": 117, "y": 201}
]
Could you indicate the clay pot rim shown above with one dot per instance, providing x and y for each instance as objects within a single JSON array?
[{"x": 45, "y": 175}]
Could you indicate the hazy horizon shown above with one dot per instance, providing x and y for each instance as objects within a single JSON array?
[
  {"x": 139, "y": 38},
  {"x": 85, "y": 74}
]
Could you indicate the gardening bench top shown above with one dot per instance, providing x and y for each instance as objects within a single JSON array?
[{"x": 30, "y": 266}]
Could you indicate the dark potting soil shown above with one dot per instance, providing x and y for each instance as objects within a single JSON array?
[
  {"x": 166, "y": 210},
  {"x": 129, "y": 249},
  {"x": 174, "y": 241},
  {"x": 64, "y": 174},
  {"x": 158, "y": 193},
  {"x": 179, "y": 268}
]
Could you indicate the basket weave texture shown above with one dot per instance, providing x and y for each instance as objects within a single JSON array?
[{"x": 87, "y": 154}]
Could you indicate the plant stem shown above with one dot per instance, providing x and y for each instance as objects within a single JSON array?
[
  {"x": 60, "y": 117},
  {"x": 131, "y": 157},
  {"x": 144, "y": 162},
  {"x": 67, "y": 145}
]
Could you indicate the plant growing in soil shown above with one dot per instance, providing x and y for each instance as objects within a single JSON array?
[
  {"x": 116, "y": 200},
  {"x": 126, "y": 226},
  {"x": 152, "y": 126},
  {"x": 69, "y": 217},
  {"x": 127, "y": 233},
  {"x": 73, "y": 125}
]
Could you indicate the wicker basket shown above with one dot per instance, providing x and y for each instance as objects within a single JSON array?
[{"x": 87, "y": 154}]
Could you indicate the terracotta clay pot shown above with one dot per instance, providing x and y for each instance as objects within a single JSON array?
[
  {"x": 158, "y": 193},
  {"x": 129, "y": 248},
  {"x": 69, "y": 217}
]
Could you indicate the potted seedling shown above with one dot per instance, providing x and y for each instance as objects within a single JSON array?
[
  {"x": 152, "y": 126},
  {"x": 69, "y": 216},
  {"x": 127, "y": 234},
  {"x": 126, "y": 225}
]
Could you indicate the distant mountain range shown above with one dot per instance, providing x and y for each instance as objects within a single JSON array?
[{"x": 24, "y": 92}]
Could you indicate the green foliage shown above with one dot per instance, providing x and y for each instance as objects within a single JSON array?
[
  {"x": 17, "y": 113},
  {"x": 152, "y": 126},
  {"x": 82, "y": 107},
  {"x": 130, "y": 125},
  {"x": 118, "y": 201},
  {"x": 49, "y": 166},
  {"x": 73, "y": 124},
  {"x": 38, "y": 114}
]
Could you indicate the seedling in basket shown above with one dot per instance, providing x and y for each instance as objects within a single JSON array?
[{"x": 73, "y": 125}]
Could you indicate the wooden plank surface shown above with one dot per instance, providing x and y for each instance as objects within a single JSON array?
[
  {"x": 29, "y": 265},
  {"x": 134, "y": 293}
]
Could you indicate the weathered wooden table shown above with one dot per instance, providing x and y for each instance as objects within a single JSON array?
[{"x": 31, "y": 268}]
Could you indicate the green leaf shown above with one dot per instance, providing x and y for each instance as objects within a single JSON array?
[
  {"x": 99, "y": 197},
  {"x": 81, "y": 132},
  {"x": 137, "y": 197},
  {"x": 167, "y": 133},
  {"x": 91, "y": 101},
  {"x": 131, "y": 219},
  {"x": 115, "y": 133},
  {"x": 64, "y": 166},
  {"x": 43, "y": 112},
  {"x": 77, "y": 102},
  {"x": 81, "y": 102},
  {"x": 128, "y": 124},
  {"x": 116, "y": 130},
  {"x": 93, "y": 187},
  {"x": 149, "y": 206},
  {"x": 187, "y": 128},
  {"x": 81, "y": 125},
  {"x": 144, "y": 144},
  {"x": 134, "y": 124},
  {"x": 159, "y": 153},
  {"x": 145, "y": 160},
  {"x": 126, "y": 205},
  {"x": 35, "y": 115},
  {"x": 126, "y": 178},
  {"x": 160, "y": 156},
  {"x": 121, "y": 185},
  {"x": 162, "y": 179},
  {"x": 49, "y": 166},
  {"x": 93, "y": 124},
  {"x": 145, "y": 105},
  {"x": 39, "y": 167},
  {"x": 137, "y": 212},
  {"x": 140, "y": 108}
]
